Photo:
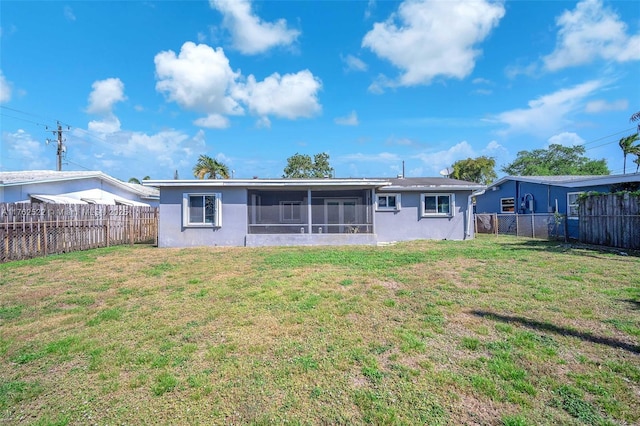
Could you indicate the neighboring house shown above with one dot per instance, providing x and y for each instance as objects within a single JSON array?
[
  {"x": 545, "y": 194},
  {"x": 264, "y": 212},
  {"x": 70, "y": 187}
]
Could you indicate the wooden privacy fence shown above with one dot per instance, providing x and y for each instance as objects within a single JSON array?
[
  {"x": 610, "y": 220},
  {"x": 31, "y": 230}
]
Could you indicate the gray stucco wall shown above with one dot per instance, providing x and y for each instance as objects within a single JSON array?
[
  {"x": 234, "y": 219},
  {"x": 407, "y": 224}
]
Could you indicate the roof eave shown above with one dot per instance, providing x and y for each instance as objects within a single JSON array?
[{"x": 271, "y": 183}]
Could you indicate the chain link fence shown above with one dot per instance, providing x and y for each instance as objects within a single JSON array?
[{"x": 542, "y": 226}]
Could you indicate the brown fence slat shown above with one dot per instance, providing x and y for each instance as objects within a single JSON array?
[
  {"x": 610, "y": 220},
  {"x": 31, "y": 230}
]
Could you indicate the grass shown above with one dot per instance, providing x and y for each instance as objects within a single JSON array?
[{"x": 490, "y": 331}]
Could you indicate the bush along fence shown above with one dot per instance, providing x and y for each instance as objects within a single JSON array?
[
  {"x": 547, "y": 226},
  {"x": 31, "y": 230},
  {"x": 610, "y": 219}
]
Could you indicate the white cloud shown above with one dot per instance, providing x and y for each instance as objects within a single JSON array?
[
  {"x": 31, "y": 153},
  {"x": 105, "y": 94},
  {"x": 349, "y": 120},
  {"x": 589, "y": 32},
  {"x": 436, "y": 161},
  {"x": 250, "y": 34},
  {"x": 353, "y": 63},
  {"x": 480, "y": 80},
  {"x": 110, "y": 124},
  {"x": 549, "y": 113},
  {"x": 198, "y": 79},
  {"x": 566, "y": 139},
  {"x": 602, "y": 105},
  {"x": 166, "y": 151},
  {"x": 493, "y": 146},
  {"x": 371, "y": 5},
  {"x": 382, "y": 157},
  {"x": 5, "y": 89},
  {"x": 68, "y": 14},
  {"x": 213, "y": 121},
  {"x": 289, "y": 96},
  {"x": 263, "y": 123},
  {"x": 426, "y": 39}
]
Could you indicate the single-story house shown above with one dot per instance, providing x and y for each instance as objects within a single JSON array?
[
  {"x": 545, "y": 194},
  {"x": 73, "y": 187},
  {"x": 265, "y": 212}
]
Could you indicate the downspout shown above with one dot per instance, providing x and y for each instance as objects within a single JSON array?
[{"x": 470, "y": 211}]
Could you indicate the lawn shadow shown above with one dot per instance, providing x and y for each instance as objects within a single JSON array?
[
  {"x": 543, "y": 326},
  {"x": 574, "y": 248},
  {"x": 634, "y": 303}
]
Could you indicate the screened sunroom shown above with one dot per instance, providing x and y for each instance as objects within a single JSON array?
[{"x": 310, "y": 211}]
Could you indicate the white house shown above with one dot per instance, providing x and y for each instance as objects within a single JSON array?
[{"x": 73, "y": 187}]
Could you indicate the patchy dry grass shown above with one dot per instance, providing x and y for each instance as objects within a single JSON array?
[{"x": 491, "y": 331}]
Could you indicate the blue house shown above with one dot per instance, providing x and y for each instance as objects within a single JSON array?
[
  {"x": 268, "y": 212},
  {"x": 545, "y": 194}
]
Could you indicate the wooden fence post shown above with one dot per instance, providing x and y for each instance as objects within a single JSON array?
[
  {"x": 107, "y": 217},
  {"x": 130, "y": 217},
  {"x": 45, "y": 237}
]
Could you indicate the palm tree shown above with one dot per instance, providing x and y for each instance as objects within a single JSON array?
[
  {"x": 628, "y": 147},
  {"x": 635, "y": 117},
  {"x": 637, "y": 161},
  {"x": 208, "y": 168}
]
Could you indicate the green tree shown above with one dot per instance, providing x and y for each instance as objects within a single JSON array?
[
  {"x": 637, "y": 161},
  {"x": 479, "y": 170},
  {"x": 134, "y": 180},
  {"x": 628, "y": 146},
  {"x": 303, "y": 166},
  {"x": 209, "y": 168},
  {"x": 554, "y": 161}
]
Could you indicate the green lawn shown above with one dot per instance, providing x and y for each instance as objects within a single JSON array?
[{"x": 490, "y": 331}]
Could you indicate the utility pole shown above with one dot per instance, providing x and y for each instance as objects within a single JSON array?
[{"x": 61, "y": 148}]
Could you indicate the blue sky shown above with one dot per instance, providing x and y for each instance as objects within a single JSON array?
[{"x": 145, "y": 87}]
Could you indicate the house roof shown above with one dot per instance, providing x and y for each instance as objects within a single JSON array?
[
  {"x": 571, "y": 181},
  {"x": 430, "y": 183},
  {"x": 384, "y": 184},
  {"x": 270, "y": 183},
  {"x": 42, "y": 176}
]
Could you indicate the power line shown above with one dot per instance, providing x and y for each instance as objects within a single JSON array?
[
  {"x": 76, "y": 164},
  {"x": 49, "y": 119},
  {"x": 608, "y": 136},
  {"x": 24, "y": 119}
]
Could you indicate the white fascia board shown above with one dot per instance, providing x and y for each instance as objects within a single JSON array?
[
  {"x": 422, "y": 188},
  {"x": 573, "y": 181},
  {"x": 262, "y": 183},
  {"x": 51, "y": 179}
]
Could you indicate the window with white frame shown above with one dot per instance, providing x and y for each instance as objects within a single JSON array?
[
  {"x": 388, "y": 201},
  {"x": 572, "y": 204},
  {"x": 437, "y": 204},
  {"x": 291, "y": 211},
  {"x": 202, "y": 210},
  {"x": 507, "y": 205}
]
